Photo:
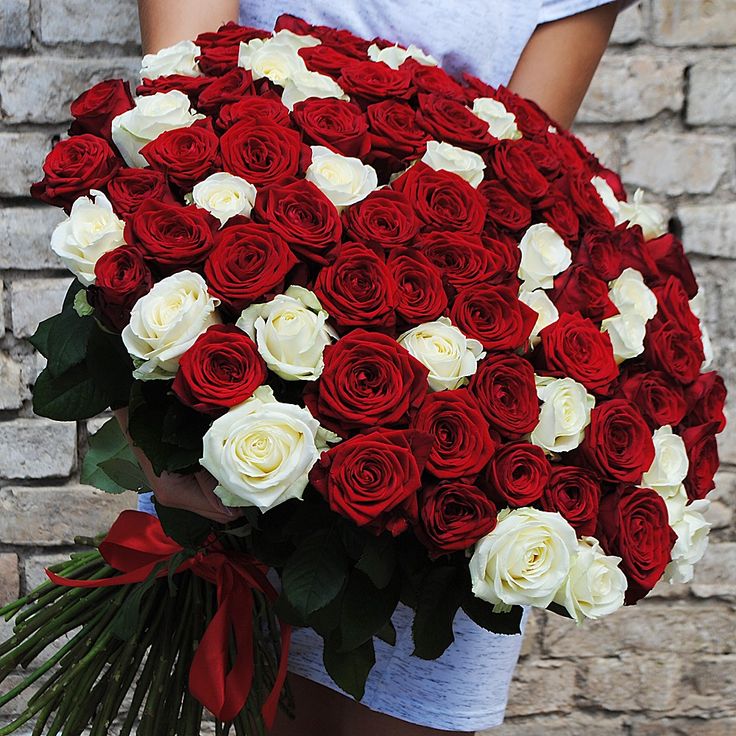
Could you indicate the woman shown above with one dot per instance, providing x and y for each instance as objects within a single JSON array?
[{"x": 546, "y": 50}]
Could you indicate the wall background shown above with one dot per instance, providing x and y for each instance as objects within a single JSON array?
[{"x": 662, "y": 110}]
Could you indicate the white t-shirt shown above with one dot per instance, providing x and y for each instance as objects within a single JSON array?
[{"x": 483, "y": 37}]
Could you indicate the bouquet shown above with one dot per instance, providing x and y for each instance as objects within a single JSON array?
[{"x": 417, "y": 333}]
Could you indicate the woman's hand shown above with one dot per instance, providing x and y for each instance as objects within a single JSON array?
[{"x": 189, "y": 492}]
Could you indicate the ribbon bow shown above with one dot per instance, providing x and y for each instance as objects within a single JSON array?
[{"x": 135, "y": 545}]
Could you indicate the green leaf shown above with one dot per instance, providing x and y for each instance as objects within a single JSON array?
[
  {"x": 126, "y": 474},
  {"x": 378, "y": 560},
  {"x": 366, "y": 609},
  {"x": 71, "y": 294},
  {"x": 315, "y": 573},
  {"x": 387, "y": 633},
  {"x": 106, "y": 445},
  {"x": 110, "y": 365},
  {"x": 437, "y": 604},
  {"x": 184, "y": 527},
  {"x": 499, "y": 623},
  {"x": 71, "y": 396},
  {"x": 40, "y": 338},
  {"x": 67, "y": 341},
  {"x": 350, "y": 669}
]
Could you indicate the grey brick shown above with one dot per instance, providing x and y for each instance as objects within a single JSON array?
[
  {"x": 11, "y": 387},
  {"x": 630, "y": 25},
  {"x": 711, "y": 99},
  {"x": 25, "y": 236},
  {"x": 37, "y": 448},
  {"x": 71, "y": 20},
  {"x": 709, "y": 229},
  {"x": 33, "y": 300},
  {"x": 22, "y": 155},
  {"x": 15, "y": 24},
  {"x": 694, "y": 22}
]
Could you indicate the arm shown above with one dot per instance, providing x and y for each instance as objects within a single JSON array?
[
  {"x": 558, "y": 62},
  {"x": 166, "y": 22}
]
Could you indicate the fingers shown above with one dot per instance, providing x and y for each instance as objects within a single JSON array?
[{"x": 184, "y": 492}]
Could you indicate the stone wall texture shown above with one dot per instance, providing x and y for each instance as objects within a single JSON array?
[{"x": 662, "y": 110}]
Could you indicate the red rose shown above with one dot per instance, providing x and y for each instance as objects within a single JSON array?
[
  {"x": 222, "y": 369},
  {"x": 372, "y": 479},
  {"x": 420, "y": 293},
  {"x": 171, "y": 235},
  {"x": 340, "y": 126},
  {"x": 73, "y": 167},
  {"x": 599, "y": 249},
  {"x": 185, "y": 155},
  {"x": 462, "y": 259},
  {"x": 396, "y": 136},
  {"x": 350, "y": 44},
  {"x": 372, "y": 81},
  {"x": 669, "y": 255},
  {"x": 506, "y": 392},
  {"x": 130, "y": 188},
  {"x": 229, "y": 88},
  {"x": 262, "y": 154},
  {"x": 433, "y": 79},
  {"x": 618, "y": 443},
  {"x": 557, "y": 212},
  {"x": 518, "y": 474},
  {"x": 494, "y": 316},
  {"x": 121, "y": 278},
  {"x": 303, "y": 216},
  {"x": 94, "y": 109},
  {"x": 325, "y": 60},
  {"x": 578, "y": 289},
  {"x": 674, "y": 307},
  {"x": 384, "y": 218},
  {"x": 190, "y": 86},
  {"x": 633, "y": 524},
  {"x": 702, "y": 452},
  {"x": 573, "y": 346},
  {"x": 504, "y": 209},
  {"x": 673, "y": 350},
  {"x": 530, "y": 118},
  {"x": 660, "y": 400},
  {"x": 462, "y": 443},
  {"x": 517, "y": 171},
  {"x": 543, "y": 154},
  {"x": 635, "y": 252},
  {"x": 454, "y": 515},
  {"x": 442, "y": 200},
  {"x": 585, "y": 200},
  {"x": 358, "y": 290},
  {"x": 254, "y": 110},
  {"x": 706, "y": 398},
  {"x": 505, "y": 254},
  {"x": 451, "y": 121},
  {"x": 220, "y": 48},
  {"x": 575, "y": 493},
  {"x": 249, "y": 261},
  {"x": 368, "y": 380}
]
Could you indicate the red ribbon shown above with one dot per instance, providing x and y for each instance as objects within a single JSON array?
[{"x": 136, "y": 544}]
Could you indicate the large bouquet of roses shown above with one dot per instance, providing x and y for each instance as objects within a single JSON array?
[{"x": 414, "y": 329}]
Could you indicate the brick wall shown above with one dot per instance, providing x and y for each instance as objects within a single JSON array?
[{"x": 662, "y": 110}]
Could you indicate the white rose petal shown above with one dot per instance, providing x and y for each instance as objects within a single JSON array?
[
  {"x": 305, "y": 84},
  {"x": 564, "y": 415},
  {"x": 291, "y": 332},
  {"x": 501, "y": 123},
  {"x": 675, "y": 498},
  {"x": 261, "y": 451},
  {"x": 547, "y": 313},
  {"x": 650, "y": 217},
  {"x": 151, "y": 116},
  {"x": 450, "y": 356},
  {"x": 446, "y": 157},
  {"x": 631, "y": 295},
  {"x": 165, "y": 323},
  {"x": 670, "y": 464},
  {"x": 395, "y": 56},
  {"x": 181, "y": 58},
  {"x": 692, "y": 540},
  {"x": 596, "y": 584},
  {"x": 525, "y": 559},
  {"x": 627, "y": 332},
  {"x": 91, "y": 230},
  {"x": 344, "y": 180},
  {"x": 276, "y": 58},
  {"x": 543, "y": 256},
  {"x": 607, "y": 197},
  {"x": 697, "y": 307},
  {"x": 224, "y": 196}
]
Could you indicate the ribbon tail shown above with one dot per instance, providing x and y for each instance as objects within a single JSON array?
[
  {"x": 127, "y": 578},
  {"x": 271, "y": 704}
]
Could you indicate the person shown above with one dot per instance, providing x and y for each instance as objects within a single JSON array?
[{"x": 546, "y": 50}]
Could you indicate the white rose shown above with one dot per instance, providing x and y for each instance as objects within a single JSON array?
[
  {"x": 90, "y": 231},
  {"x": 344, "y": 180},
  {"x": 525, "y": 559},
  {"x": 543, "y": 256},
  {"x": 224, "y": 196},
  {"x": 697, "y": 307},
  {"x": 547, "y": 313},
  {"x": 450, "y": 356},
  {"x": 631, "y": 295},
  {"x": 692, "y": 540},
  {"x": 670, "y": 464},
  {"x": 165, "y": 323},
  {"x": 395, "y": 56},
  {"x": 627, "y": 332},
  {"x": 650, "y": 217},
  {"x": 181, "y": 58},
  {"x": 607, "y": 197},
  {"x": 276, "y": 58},
  {"x": 564, "y": 414},
  {"x": 261, "y": 451},
  {"x": 501, "y": 122},
  {"x": 304, "y": 84},
  {"x": 291, "y": 332},
  {"x": 151, "y": 116},
  {"x": 466, "y": 164},
  {"x": 675, "y": 498},
  {"x": 596, "y": 584}
]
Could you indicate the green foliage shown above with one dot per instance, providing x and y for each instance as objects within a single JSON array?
[
  {"x": 349, "y": 669},
  {"x": 110, "y": 464},
  {"x": 184, "y": 527},
  {"x": 437, "y": 604}
]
